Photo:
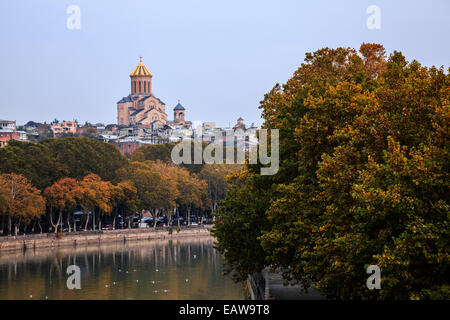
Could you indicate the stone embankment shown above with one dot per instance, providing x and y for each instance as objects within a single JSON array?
[{"x": 51, "y": 240}]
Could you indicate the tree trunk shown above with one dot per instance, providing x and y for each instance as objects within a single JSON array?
[
  {"x": 69, "y": 226},
  {"x": 114, "y": 222},
  {"x": 87, "y": 221},
  {"x": 9, "y": 225},
  {"x": 189, "y": 214},
  {"x": 155, "y": 219},
  {"x": 54, "y": 225},
  {"x": 59, "y": 220},
  {"x": 211, "y": 202},
  {"x": 50, "y": 218},
  {"x": 39, "y": 224}
]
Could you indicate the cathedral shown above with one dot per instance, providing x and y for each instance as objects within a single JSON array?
[{"x": 141, "y": 107}]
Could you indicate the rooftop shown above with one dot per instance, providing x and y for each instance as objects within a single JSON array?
[
  {"x": 179, "y": 106},
  {"x": 140, "y": 70}
]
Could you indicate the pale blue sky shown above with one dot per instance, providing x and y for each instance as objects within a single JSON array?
[{"x": 218, "y": 57}]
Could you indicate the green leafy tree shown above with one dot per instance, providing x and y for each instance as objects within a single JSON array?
[
  {"x": 363, "y": 177},
  {"x": 241, "y": 220},
  {"x": 154, "y": 152}
]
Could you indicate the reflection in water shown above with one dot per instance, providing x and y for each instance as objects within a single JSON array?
[{"x": 159, "y": 269}]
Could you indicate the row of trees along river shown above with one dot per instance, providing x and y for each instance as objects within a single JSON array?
[{"x": 43, "y": 184}]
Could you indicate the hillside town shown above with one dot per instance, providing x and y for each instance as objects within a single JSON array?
[{"x": 141, "y": 120}]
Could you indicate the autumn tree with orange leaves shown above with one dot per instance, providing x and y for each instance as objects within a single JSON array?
[
  {"x": 19, "y": 201},
  {"x": 62, "y": 198},
  {"x": 95, "y": 197}
]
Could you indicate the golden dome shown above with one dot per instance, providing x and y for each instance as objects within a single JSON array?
[{"x": 140, "y": 70}]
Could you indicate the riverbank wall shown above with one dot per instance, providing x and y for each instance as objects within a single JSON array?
[{"x": 51, "y": 240}]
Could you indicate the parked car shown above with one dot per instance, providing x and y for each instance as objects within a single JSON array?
[
  {"x": 135, "y": 222},
  {"x": 107, "y": 227},
  {"x": 121, "y": 225},
  {"x": 161, "y": 221},
  {"x": 207, "y": 220},
  {"x": 176, "y": 220}
]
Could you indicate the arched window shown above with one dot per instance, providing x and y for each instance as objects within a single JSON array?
[
  {"x": 140, "y": 87},
  {"x": 145, "y": 86}
]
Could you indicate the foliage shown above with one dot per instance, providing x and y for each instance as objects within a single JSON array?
[
  {"x": 364, "y": 171},
  {"x": 154, "y": 152},
  {"x": 241, "y": 220},
  {"x": 19, "y": 199},
  {"x": 50, "y": 160}
]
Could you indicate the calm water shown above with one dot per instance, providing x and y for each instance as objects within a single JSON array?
[{"x": 160, "y": 269}]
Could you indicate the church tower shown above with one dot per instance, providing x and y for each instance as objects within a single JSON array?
[
  {"x": 141, "y": 106},
  {"x": 178, "y": 113},
  {"x": 141, "y": 80}
]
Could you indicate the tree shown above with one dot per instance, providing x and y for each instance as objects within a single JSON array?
[
  {"x": 153, "y": 192},
  {"x": 241, "y": 220},
  {"x": 82, "y": 156},
  {"x": 62, "y": 197},
  {"x": 20, "y": 201},
  {"x": 123, "y": 198},
  {"x": 50, "y": 160},
  {"x": 34, "y": 161},
  {"x": 192, "y": 192},
  {"x": 95, "y": 198},
  {"x": 215, "y": 177},
  {"x": 168, "y": 191},
  {"x": 362, "y": 180},
  {"x": 154, "y": 152},
  {"x": 90, "y": 133}
]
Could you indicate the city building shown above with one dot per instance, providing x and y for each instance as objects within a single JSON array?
[
  {"x": 240, "y": 124},
  {"x": 64, "y": 127},
  {"x": 208, "y": 125},
  {"x": 179, "y": 117},
  {"x": 7, "y": 135},
  {"x": 142, "y": 107},
  {"x": 7, "y": 125}
]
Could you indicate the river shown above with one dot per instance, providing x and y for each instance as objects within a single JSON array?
[{"x": 188, "y": 268}]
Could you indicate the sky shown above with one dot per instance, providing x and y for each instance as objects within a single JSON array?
[{"x": 218, "y": 58}]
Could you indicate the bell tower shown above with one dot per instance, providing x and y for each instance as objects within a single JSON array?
[{"x": 178, "y": 113}]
